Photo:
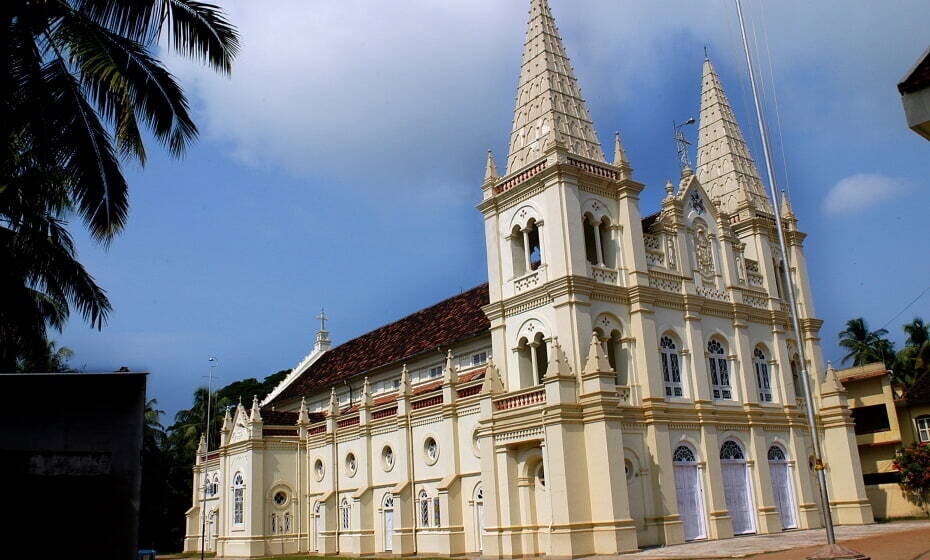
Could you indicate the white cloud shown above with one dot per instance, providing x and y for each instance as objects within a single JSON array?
[
  {"x": 396, "y": 98},
  {"x": 857, "y": 193}
]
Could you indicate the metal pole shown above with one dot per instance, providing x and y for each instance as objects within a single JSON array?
[
  {"x": 203, "y": 513},
  {"x": 808, "y": 399}
]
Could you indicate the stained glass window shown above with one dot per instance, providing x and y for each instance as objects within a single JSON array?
[{"x": 671, "y": 370}]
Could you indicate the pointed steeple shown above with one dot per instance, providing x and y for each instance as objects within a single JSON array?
[
  {"x": 786, "y": 210},
  {"x": 492, "y": 383},
  {"x": 558, "y": 362},
  {"x": 548, "y": 97},
  {"x": 256, "y": 415},
  {"x": 619, "y": 153},
  {"x": 490, "y": 168},
  {"x": 404, "y": 389},
  {"x": 597, "y": 360},
  {"x": 724, "y": 165}
]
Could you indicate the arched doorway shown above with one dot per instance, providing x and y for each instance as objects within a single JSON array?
[
  {"x": 689, "y": 492},
  {"x": 388, "y": 511},
  {"x": 479, "y": 517},
  {"x": 736, "y": 487},
  {"x": 782, "y": 487},
  {"x": 318, "y": 526}
]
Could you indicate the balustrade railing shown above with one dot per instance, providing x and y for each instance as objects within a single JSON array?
[{"x": 520, "y": 400}]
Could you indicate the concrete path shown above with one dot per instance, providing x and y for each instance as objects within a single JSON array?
[{"x": 740, "y": 547}]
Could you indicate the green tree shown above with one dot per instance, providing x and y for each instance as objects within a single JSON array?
[
  {"x": 914, "y": 359},
  {"x": 864, "y": 346},
  {"x": 79, "y": 85},
  {"x": 53, "y": 360}
]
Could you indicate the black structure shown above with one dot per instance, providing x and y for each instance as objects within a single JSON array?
[{"x": 71, "y": 464}]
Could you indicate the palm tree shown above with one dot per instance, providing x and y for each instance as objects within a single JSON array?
[
  {"x": 914, "y": 359},
  {"x": 917, "y": 332},
  {"x": 78, "y": 85},
  {"x": 864, "y": 346}
]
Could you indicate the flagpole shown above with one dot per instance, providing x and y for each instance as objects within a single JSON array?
[{"x": 793, "y": 306}]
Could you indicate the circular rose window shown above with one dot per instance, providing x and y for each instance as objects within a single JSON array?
[
  {"x": 351, "y": 464},
  {"x": 280, "y": 498},
  {"x": 431, "y": 450},
  {"x": 318, "y": 469},
  {"x": 387, "y": 458}
]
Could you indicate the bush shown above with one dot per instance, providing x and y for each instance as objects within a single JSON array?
[{"x": 913, "y": 466}]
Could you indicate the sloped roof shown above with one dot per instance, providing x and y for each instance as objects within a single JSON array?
[
  {"x": 457, "y": 318},
  {"x": 875, "y": 369},
  {"x": 918, "y": 77}
]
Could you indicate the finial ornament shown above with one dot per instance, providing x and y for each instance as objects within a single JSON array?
[
  {"x": 669, "y": 188},
  {"x": 619, "y": 152},
  {"x": 490, "y": 168}
]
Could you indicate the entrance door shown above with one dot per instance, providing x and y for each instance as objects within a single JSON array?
[
  {"x": 782, "y": 487},
  {"x": 736, "y": 487},
  {"x": 689, "y": 493},
  {"x": 388, "y": 523}
]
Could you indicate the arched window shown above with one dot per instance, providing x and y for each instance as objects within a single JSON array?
[
  {"x": 671, "y": 367},
  {"x": 207, "y": 486},
  {"x": 436, "y": 515},
  {"x": 424, "y": 509},
  {"x": 389, "y": 501},
  {"x": 525, "y": 248},
  {"x": 719, "y": 370},
  {"x": 608, "y": 254},
  {"x": 287, "y": 523},
  {"x": 533, "y": 359},
  {"x": 763, "y": 377},
  {"x": 683, "y": 454},
  {"x": 590, "y": 240},
  {"x": 238, "y": 496},
  {"x": 274, "y": 522},
  {"x": 923, "y": 428},
  {"x": 731, "y": 451},
  {"x": 346, "y": 511},
  {"x": 776, "y": 454},
  {"x": 796, "y": 378},
  {"x": 215, "y": 487}
]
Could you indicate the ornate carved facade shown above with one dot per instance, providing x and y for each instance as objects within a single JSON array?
[{"x": 619, "y": 382}]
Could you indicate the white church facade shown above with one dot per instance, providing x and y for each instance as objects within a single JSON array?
[{"x": 621, "y": 381}]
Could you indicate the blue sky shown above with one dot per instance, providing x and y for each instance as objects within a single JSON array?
[{"x": 341, "y": 163}]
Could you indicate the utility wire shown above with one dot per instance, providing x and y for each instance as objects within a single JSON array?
[{"x": 906, "y": 307}]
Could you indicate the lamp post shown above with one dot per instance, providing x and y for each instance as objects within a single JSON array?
[
  {"x": 832, "y": 550},
  {"x": 203, "y": 501}
]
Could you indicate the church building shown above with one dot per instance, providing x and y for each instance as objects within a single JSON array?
[{"x": 620, "y": 381}]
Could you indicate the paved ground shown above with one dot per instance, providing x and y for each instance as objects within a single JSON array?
[{"x": 900, "y": 540}]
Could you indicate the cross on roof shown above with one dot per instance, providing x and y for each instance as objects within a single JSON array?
[{"x": 322, "y": 317}]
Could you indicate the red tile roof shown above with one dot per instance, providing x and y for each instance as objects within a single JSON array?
[{"x": 447, "y": 322}]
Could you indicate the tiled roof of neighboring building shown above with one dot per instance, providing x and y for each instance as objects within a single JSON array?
[
  {"x": 875, "y": 369},
  {"x": 918, "y": 77},
  {"x": 454, "y": 319}
]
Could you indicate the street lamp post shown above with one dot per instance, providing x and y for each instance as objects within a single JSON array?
[{"x": 203, "y": 501}]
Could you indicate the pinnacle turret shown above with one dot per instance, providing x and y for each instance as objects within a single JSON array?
[
  {"x": 724, "y": 165},
  {"x": 490, "y": 168},
  {"x": 549, "y": 107}
]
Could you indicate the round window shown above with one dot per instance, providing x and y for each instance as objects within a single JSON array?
[
  {"x": 387, "y": 458},
  {"x": 280, "y": 498},
  {"x": 351, "y": 464},
  {"x": 431, "y": 450},
  {"x": 318, "y": 469}
]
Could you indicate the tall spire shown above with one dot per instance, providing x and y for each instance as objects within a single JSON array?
[
  {"x": 724, "y": 165},
  {"x": 549, "y": 101}
]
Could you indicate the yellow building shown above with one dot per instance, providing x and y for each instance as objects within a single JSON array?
[{"x": 887, "y": 419}]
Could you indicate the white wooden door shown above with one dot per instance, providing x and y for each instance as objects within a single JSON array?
[
  {"x": 784, "y": 497},
  {"x": 388, "y": 530},
  {"x": 690, "y": 500},
  {"x": 736, "y": 491}
]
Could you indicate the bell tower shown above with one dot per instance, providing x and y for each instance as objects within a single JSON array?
[{"x": 560, "y": 218}]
